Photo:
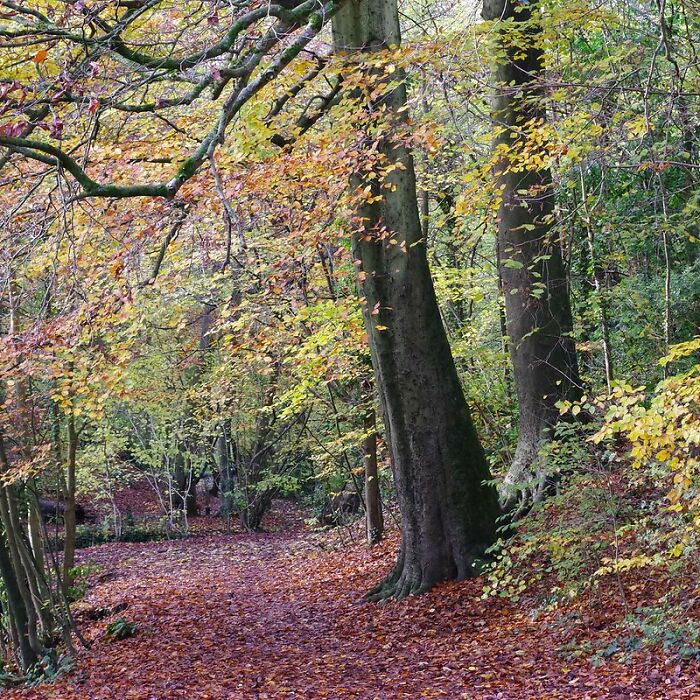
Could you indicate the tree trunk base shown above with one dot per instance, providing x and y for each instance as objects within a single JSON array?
[
  {"x": 524, "y": 484},
  {"x": 404, "y": 580},
  {"x": 413, "y": 577}
]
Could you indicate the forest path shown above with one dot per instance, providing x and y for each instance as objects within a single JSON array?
[{"x": 276, "y": 616}]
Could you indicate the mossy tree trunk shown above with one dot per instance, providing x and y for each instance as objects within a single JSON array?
[{"x": 447, "y": 514}]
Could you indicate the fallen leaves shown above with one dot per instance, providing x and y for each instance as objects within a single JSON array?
[{"x": 276, "y": 616}]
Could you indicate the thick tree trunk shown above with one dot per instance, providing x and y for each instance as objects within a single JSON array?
[
  {"x": 447, "y": 514},
  {"x": 252, "y": 514},
  {"x": 538, "y": 310},
  {"x": 191, "y": 505}
]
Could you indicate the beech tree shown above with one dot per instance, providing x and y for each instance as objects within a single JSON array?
[
  {"x": 531, "y": 269},
  {"x": 448, "y": 514}
]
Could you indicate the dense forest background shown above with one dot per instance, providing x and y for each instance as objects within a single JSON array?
[{"x": 432, "y": 268}]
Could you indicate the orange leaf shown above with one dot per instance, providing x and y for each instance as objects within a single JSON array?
[{"x": 41, "y": 56}]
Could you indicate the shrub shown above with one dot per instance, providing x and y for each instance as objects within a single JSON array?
[
  {"x": 121, "y": 629},
  {"x": 630, "y": 501}
]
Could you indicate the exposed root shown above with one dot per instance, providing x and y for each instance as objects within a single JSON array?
[
  {"x": 403, "y": 581},
  {"x": 525, "y": 484}
]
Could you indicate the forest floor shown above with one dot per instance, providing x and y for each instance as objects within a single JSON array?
[{"x": 279, "y": 615}]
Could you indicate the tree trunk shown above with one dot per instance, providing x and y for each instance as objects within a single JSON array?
[
  {"x": 597, "y": 281},
  {"x": 538, "y": 310},
  {"x": 28, "y": 594},
  {"x": 254, "y": 501},
  {"x": 25, "y": 419},
  {"x": 252, "y": 514},
  {"x": 34, "y": 527},
  {"x": 19, "y": 620},
  {"x": 69, "y": 518},
  {"x": 447, "y": 514},
  {"x": 191, "y": 505},
  {"x": 186, "y": 485},
  {"x": 226, "y": 474},
  {"x": 373, "y": 501}
]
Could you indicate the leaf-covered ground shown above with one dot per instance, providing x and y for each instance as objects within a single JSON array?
[{"x": 280, "y": 615}]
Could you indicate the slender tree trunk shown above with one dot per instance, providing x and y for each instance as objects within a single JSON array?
[
  {"x": 373, "y": 501},
  {"x": 538, "y": 310},
  {"x": 22, "y": 572},
  {"x": 226, "y": 476},
  {"x": 19, "y": 620},
  {"x": 597, "y": 280},
  {"x": 668, "y": 317},
  {"x": 425, "y": 213},
  {"x": 186, "y": 484},
  {"x": 34, "y": 526},
  {"x": 257, "y": 502},
  {"x": 447, "y": 514},
  {"x": 28, "y": 595},
  {"x": 36, "y": 581},
  {"x": 25, "y": 419},
  {"x": 69, "y": 505},
  {"x": 503, "y": 325}
]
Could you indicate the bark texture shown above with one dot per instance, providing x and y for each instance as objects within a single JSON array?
[
  {"x": 447, "y": 514},
  {"x": 531, "y": 268}
]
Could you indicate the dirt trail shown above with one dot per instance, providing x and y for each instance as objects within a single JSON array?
[{"x": 275, "y": 616}]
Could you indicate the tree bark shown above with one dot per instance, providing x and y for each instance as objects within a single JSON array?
[
  {"x": 447, "y": 514},
  {"x": 34, "y": 527},
  {"x": 222, "y": 465},
  {"x": 69, "y": 518},
  {"x": 373, "y": 501},
  {"x": 26, "y": 655},
  {"x": 533, "y": 278},
  {"x": 20, "y": 392},
  {"x": 28, "y": 594}
]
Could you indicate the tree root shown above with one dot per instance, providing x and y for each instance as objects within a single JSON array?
[{"x": 403, "y": 581}]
